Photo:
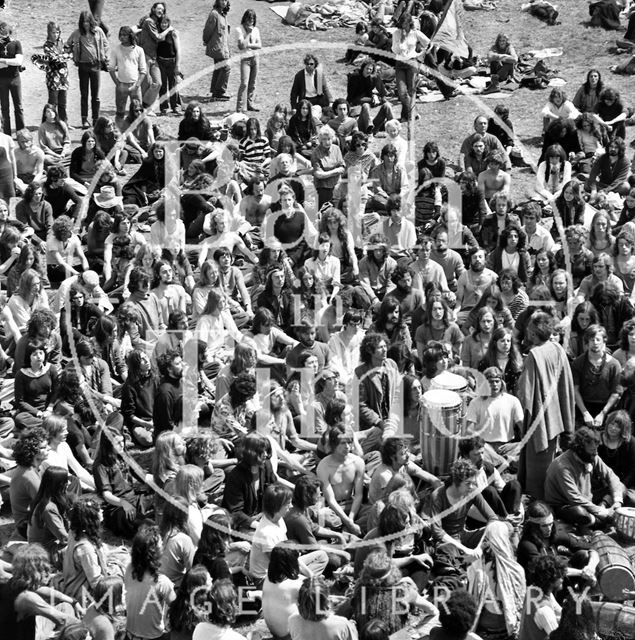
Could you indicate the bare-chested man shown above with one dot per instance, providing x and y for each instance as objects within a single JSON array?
[{"x": 342, "y": 476}]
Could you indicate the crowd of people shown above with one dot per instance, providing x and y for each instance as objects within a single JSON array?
[{"x": 225, "y": 375}]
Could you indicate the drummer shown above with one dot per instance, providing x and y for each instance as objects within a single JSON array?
[{"x": 568, "y": 488}]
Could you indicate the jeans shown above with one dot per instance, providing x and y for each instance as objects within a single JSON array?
[
  {"x": 58, "y": 98},
  {"x": 89, "y": 76},
  {"x": 406, "y": 77},
  {"x": 12, "y": 87},
  {"x": 152, "y": 83},
  {"x": 220, "y": 77},
  {"x": 169, "y": 83},
  {"x": 383, "y": 115},
  {"x": 123, "y": 91},
  {"x": 248, "y": 75}
]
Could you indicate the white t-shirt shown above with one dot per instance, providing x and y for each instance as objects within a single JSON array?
[
  {"x": 494, "y": 418},
  {"x": 267, "y": 535},
  {"x": 209, "y": 631}
]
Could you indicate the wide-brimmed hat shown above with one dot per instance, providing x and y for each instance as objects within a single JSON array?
[{"x": 107, "y": 198}]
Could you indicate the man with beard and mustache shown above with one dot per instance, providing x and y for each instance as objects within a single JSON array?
[
  {"x": 596, "y": 376},
  {"x": 410, "y": 299},
  {"x": 168, "y": 401},
  {"x": 449, "y": 259},
  {"x": 376, "y": 268},
  {"x": 568, "y": 487},
  {"x": 306, "y": 335},
  {"x": 472, "y": 283}
]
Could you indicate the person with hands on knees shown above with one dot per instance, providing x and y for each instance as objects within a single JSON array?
[
  {"x": 342, "y": 476},
  {"x": 569, "y": 489},
  {"x": 450, "y": 504},
  {"x": 596, "y": 377}
]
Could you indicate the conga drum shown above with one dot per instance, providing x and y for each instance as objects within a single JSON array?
[
  {"x": 440, "y": 430},
  {"x": 458, "y": 384},
  {"x": 625, "y": 523},
  {"x": 614, "y": 619},
  {"x": 615, "y": 571}
]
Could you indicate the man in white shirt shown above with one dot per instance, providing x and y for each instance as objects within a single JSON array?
[
  {"x": 343, "y": 347},
  {"x": 127, "y": 69},
  {"x": 538, "y": 237}
]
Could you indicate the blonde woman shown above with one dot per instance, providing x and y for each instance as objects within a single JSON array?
[{"x": 169, "y": 457}]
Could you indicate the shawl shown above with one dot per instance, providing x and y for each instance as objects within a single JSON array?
[
  {"x": 509, "y": 576},
  {"x": 545, "y": 389}
]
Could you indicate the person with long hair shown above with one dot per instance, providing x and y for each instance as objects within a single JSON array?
[
  {"x": 84, "y": 562},
  {"x": 602, "y": 273},
  {"x": 125, "y": 506},
  {"x": 601, "y": 239},
  {"x": 140, "y": 137},
  {"x": 35, "y": 212},
  {"x": 142, "y": 581},
  {"x": 146, "y": 186},
  {"x": 438, "y": 324},
  {"x": 539, "y": 538},
  {"x": 111, "y": 142},
  {"x": 476, "y": 344},
  {"x": 248, "y": 42},
  {"x": 216, "y": 40},
  {"x": 105, "y": 618},
  {"x": 503, "y": 353},
  {"x": 389, "y": 323},
  {"x": 584, "y": 315},
  {"x": 544, "y": 266},
  {"x": 569, "y": 207},
  {"x": 89, "y": 47},
  {"x": 137, "y": 397},
  {"x": 379, "y": 581},
  {"x": 64, "y": 254},
  {"x": 194, "y": 123},
  {"x": 303, "y": 128},
  {"x": 591, "y": 140},
  {"x": 53, "y": 137},
  {"x": 216, "y": 327},
  {"x": 511, "y": 252},
  {"x": 335, "y": 224},
  {"x": 624, "y": 259},
  {"x": 29, "y": 296},
  {"x": 54, "y": 61},
  {"x": 579, "y": 259},
  {"x": 168, "y": 458},
  {"x": 558, "y": 107},
  {"x": 492, "y": 297},
  {"x": 221, "y": 236},
  {"x": 588, "y": 95},
  {"x": 30, "y": 257},
  {"x": 609, "y": 172},
  {"x": 617, "y": 449},
  {"x": 577, "y": 621},
  {"x": 85, "y": 158},
  {"x": 27, "y": 595},
  {"x": 188, "y": 609},
  {"x": 552, "y": 174},
  {"x": 221, "y": 615},
  {"x": 47, "y": 522},
  {"x": 29, "y": 161},
  {"x": 177, "y": 548}
]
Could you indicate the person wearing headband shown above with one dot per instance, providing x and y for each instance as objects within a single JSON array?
[{"x": 539, "y": 538}]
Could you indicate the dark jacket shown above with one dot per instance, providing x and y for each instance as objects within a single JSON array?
[
  {"x": 240, "y": 498},
  {"x": 371, "y": 394},
  {"x": 168, "y": 406},
  {"x": 298, "y": 89},
  {"x": 495, "y": 263}
]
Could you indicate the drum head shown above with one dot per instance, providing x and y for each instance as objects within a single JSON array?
[
  {"x": 441, "y": 399},
  {"x": 628, "y": 512},
  {"x": 449, "y": 381}
]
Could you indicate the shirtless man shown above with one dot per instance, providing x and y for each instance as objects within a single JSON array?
[
  {"x": 494, "y": 179},
  {"x": 342, "y": 476}
]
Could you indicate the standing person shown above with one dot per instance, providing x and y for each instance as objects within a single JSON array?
[
  {"x": 405, "y": 41},
  {"x": 53, "y": 61},
  {"x": 216, "y": 41},
  {"x": 127, "y": 69},
  {"x": 11, "y": 59},
  {"x": 248, "y": 42},
  {"x": 90, "y": 54},
  {"x": 149, "y": 38},
  {"x": 545, "y": 390},
  {"x": 169, "y": 60}
]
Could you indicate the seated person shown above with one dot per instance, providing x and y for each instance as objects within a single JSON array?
[
  {"x": 456, "y": 617},
  {"x": 494, "y": 179},
  {"x": 491, "y": 143},
  {"x": 568, "y": 488},
  {"x": 78, "y": 315},
  {"x": 376, "y": 268},
  {"x": 610, "y": 171},
  {"x": 449, "y": 518},
  {"x": 399, "y": 231},
  {"x": 342, "y": 476},
  {"x": 343, "y": 125},
  {"x": 503, "y": 498},
  {"x": 366, "y": 91},
  {"x": 395, "y": 458}
]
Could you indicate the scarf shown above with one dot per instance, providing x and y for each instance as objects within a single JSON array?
[{"x": 504, "y": 572}]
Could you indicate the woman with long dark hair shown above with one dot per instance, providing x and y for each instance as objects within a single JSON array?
[
  {"x": 438, "y": 324},
  {"x": 47, "y": 522},
  {"x": 137, "y": 397},
  {"x": 588, "y": 95},
  {"x": 303, "y": 128},
  {"x": 31, "y": 257},
  {"x": 503, "y": 353},
  {"x": 85, "y": 159},
  {"x": 146, "y": 185},
  {"x": 544, "y": 266},
  {"x": 568, "y": 207},
  {"x": 53, "y": 137},
  {"x": 511, "y": 253},
  {"x": 215, "y": 545},
  {"x": 491, "y": 297},
  {"x": 476, "y": 344},
  {"x": 178, "y": 549},
  {"x": 89, "y": 46},
  {"x": 473, "y": 203},
  {"x": 110, "y": 142},
  {"x": 553, "y": 173},
  {"x": 194, "y": 124},
  {"x": 189, "y": 606},
  {"x": 84, "y": 562},
  {"x": 143, "y": 581},
  {"x": 591, "y": 138}
]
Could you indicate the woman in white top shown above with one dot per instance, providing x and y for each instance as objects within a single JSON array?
[
  {"x": 21, "y": 305},
  {"x": 220, "y": 237},
  {"x": 168, "y": 232},
  {"x": 404, "y": 44},
  {"x": 61, "y": 455},
  {"x": 553, "y": 173},
  {"x": 558, "y": 107},
  {"x": 64, "y": 251},
  {"x": 248, "y": 42},
  {"x": 224, "y": 608},
  {"x": 325, "y": 267},
  {"x": 216, "y": 327}
]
